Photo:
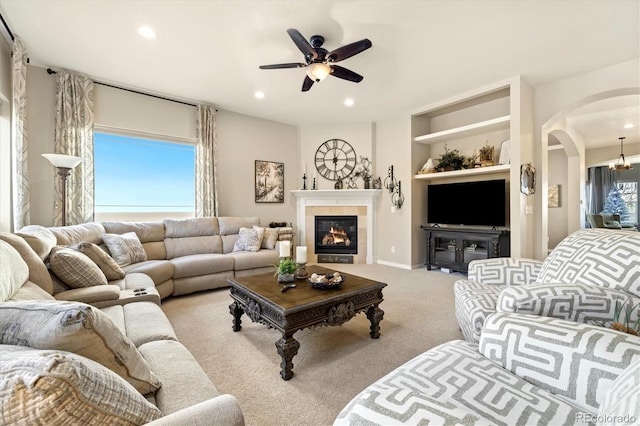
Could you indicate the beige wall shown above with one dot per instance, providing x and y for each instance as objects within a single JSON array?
[
  {"x": 558, "y": 228},
  {"x": 241, "y": 140}
]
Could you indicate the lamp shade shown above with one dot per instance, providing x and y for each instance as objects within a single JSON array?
[
  {"x": 318, "y": 71},
  {"x": 63, "y": 161}
]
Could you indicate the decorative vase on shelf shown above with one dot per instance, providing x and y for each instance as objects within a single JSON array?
[
  {"x": 367, "y": 183},
  {"x": 286, "y": 278}
]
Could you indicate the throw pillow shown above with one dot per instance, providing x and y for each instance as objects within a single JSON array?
[
  {"x": 78, "y": 328},
  {"x": 249, "y": 239},
  {"x": 55, "y": 387},
  {"x": 13, "y": 271},
  {"x": 41, "y": 239},
  {"x": 270, "y": 238},
  {"x": 75, "y": 269},
  {"x": 126, "y": 248},
  {"x": 107, "y": 265},
  {"x": 38, "y": 272}
]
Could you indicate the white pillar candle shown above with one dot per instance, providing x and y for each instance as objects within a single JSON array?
[
  {"x": 285, "y": 248},
  {"x": 301, "y": 254}
]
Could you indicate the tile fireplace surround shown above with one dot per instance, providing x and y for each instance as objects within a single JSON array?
[{"x": 360, "y": 202}]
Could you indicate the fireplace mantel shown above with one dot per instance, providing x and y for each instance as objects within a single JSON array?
[{"x": 333, "y": 197}]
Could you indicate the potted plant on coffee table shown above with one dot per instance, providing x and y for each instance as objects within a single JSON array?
[{"x": 285, "y": 270}]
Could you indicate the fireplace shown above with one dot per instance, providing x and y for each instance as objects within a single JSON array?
[{"x": 336, "y": 234}]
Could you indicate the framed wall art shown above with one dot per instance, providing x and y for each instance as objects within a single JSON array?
[
  {"x": 554, "y": 196},
  {"x": 269, "y": 182}
]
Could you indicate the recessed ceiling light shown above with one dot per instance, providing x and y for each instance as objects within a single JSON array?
[
  {"x": 259, "y": 95},
  {"x": 348, "y": 102},
  {"x": 628, "y": 126},
  {"x": 146, "y": 32}
]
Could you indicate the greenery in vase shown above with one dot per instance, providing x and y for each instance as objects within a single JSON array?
[
  {"x": 622, "y": 318},
  {"x": 450, "y": 160},
  {"x": 286, "y": 266}
]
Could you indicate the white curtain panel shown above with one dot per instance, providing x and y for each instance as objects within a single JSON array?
[
  {"x": 20, "y": 181},
  {"x": 206, "y": 153},
  {"x": 74, "y": 136}
]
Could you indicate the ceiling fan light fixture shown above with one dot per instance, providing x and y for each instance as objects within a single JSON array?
[
  {"x": 318, "y": 71},
  {"x": 621, "y": 163}
]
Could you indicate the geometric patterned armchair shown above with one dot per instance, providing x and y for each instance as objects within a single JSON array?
[{"x": 581, "y": 280}]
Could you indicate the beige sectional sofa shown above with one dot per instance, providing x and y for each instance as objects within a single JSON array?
[{"x": 68, "y": 355}]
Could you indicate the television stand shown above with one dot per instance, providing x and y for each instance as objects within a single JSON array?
[{"x": 454, "y": 248}]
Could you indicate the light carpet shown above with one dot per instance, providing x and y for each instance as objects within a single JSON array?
[{"x": 333, "y": 364}]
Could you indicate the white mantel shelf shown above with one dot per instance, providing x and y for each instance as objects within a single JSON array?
[{"x": 339, "y": 197}]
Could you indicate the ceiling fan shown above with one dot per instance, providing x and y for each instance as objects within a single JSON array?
[{"x": 319, "y": 62}]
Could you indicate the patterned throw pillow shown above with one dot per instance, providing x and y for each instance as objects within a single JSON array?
[
  {"x": 125, "y": 249},
  {"x": 78, "y": 328},
  {"x": 107, "y": 265},
  {"x": 249, "y": 239},
  {"x": 55, "y": 387},
  {"x": 75, "y": 269},
  {"x": 270, "y": 238}
]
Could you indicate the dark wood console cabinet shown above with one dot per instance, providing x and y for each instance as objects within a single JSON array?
[{"x": 454, "y": 248}]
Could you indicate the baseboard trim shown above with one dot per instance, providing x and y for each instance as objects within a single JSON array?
[{"x": 394, "y": 264}]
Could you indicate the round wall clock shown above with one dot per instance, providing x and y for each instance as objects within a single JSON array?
[{"x": 335, "y": 159}]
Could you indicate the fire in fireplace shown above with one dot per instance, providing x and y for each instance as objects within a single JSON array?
[{"x": 336, "y": 234}]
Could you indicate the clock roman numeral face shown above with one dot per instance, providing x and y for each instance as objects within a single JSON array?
[{"x": 335, "y": 159}]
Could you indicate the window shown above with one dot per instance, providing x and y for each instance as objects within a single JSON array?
[
  {"x": 140, "y": 179},
  {"x": 629, "y": 193}
]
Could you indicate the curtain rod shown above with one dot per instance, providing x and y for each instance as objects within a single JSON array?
[
  {"x": 50, "y": 71},
  {"x": 6, "y": 26}
]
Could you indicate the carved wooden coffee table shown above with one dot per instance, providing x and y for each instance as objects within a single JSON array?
[{"x": 259, "y": 296}]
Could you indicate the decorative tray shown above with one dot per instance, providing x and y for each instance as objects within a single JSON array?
[{"x": 326, "y": 281}]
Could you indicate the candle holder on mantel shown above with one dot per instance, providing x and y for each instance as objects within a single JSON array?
[{"x": 304, "y": 181}]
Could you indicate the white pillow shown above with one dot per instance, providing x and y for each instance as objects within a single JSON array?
[
  {"x": 125, "y": 249},
  {"x": 249, "y": 239},
  {"x": 13, "y": 271}
]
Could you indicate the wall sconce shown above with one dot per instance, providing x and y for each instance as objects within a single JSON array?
[
  {"x": 63, "y": 164},
  {"x": 397, "y": 198},
  {"x": 390, "y": 181}
]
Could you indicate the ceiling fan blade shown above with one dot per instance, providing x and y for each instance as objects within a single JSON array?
[
  {"x": 302, "y": 43},
  {"x": 341, "y": 72},
  {"x": 306, "y": 84},
  {"x": 347, "y": 51},
  {"x": 278, "y": 66}
]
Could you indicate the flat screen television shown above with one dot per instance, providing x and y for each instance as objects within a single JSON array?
[{"x": 480, "y": 203}]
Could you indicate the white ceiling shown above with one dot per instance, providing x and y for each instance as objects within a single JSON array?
[{"x": 423, "y": 51}]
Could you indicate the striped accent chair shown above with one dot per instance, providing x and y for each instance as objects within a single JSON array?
[
  {"x": 526, "y": 370},
  {"x": 581, "y": 279}
]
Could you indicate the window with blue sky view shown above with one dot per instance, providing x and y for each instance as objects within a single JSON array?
[{"x": 140, "y": 175}]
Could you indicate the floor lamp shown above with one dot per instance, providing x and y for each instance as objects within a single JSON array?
[{"x": 63, "y": 164}]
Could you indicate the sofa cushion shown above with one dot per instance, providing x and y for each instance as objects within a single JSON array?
[
  {"x": 38, "y": 272},
  {"x": 622, "y": 401},
  {"x": 79, "y": 328},
  {"x": 75, "y": 269},
  {"x": 176, "y": 367},
  {"x": 577, "y": 362},
  {"x": 56, "y": 387},
  {"x": 249, "y": 239},
  {"x": 142, "y": 322},
  {"x": 185, "y": 246},
  {"x": 193, "y": 227},
  {"x": 474, "y": 302},
  {"x": 41, "y": 239},
  {"x": 454, "y": 384},
  {"x": 125, "y": 249},
  {"x": 31, "y": 291},
  {"x": 13, "y": 273},
  {"x": 101, "y": 258},
  {"x": 250, "y": 260},
  {"x": 232, "y": 224},
  {"x": 158, "y": 270},
  {"x": 68, "y": 235},
  {"x": 201, "y": 264},
  {"x": 151, "y": 235},
  {"x": 601, "y": 257},
  {"x": 270, "y": 238}
]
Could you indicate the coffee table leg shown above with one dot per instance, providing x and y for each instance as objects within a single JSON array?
[
  {"x": 287, "y": 348},
  {"x": 236, "y": 310},
  {"x": 375, "y": 314}
]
